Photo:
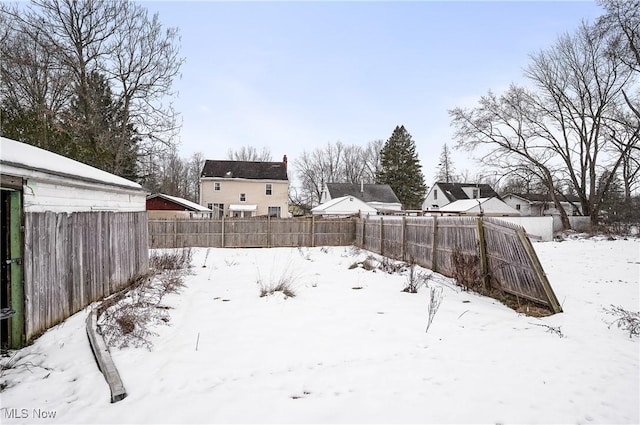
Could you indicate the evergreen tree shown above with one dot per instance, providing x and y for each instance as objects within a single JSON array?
[
  {"x": 446, "y": 170},
  {"x": 400, "y": 168},
  {"x": 100, "y": 136}
]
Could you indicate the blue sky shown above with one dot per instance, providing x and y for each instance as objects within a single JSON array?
[{"x": 292, "y": 76}]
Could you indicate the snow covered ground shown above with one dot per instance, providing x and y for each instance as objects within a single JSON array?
[{"x": 351, "y": 347}]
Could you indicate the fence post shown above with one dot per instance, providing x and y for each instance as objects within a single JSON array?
[
  {"x": 175, "y": 233},
  {"x": 404, "y": 238},
  {"x": 222, "y": 233},
  {"x": 381, "y": 235},
  {"x": 539, "y": 271},
  {"x": 364, "y": 223},
  {"x": 434, "y": 245},
  {"x": 482, "y": 245},
  {"x": 268, "y": 231},
  {"x": 313, "y": 231}
]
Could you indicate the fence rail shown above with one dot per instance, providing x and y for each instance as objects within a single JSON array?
[
  {"x": 506, "y": 257},
  {"x": 250, "y": 232}
]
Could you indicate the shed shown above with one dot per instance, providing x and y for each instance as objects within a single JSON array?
[
  {"x": 162, "y": 206},
  {"x": 75, "y": 235},
  {"x": 344, "y": 206}
]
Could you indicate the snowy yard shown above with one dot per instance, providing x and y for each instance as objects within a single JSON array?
[{"x": 351, "y": 347}]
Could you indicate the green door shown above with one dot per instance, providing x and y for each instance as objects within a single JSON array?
[{"x": 12, "y": 283}]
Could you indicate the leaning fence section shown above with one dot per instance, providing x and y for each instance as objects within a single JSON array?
[{"x": 505, "y": 257}]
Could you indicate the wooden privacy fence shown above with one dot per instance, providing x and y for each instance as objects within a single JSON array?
[
  {"x": 255, "y": 232},
  {"x": 71, "y": 260},
  {"x": 507, "y": 259}
]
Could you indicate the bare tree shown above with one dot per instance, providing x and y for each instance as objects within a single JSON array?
[
  {"x": 69, "y": 44},
  {"x": 622, "y": 24},
  {"x": 446, "y": 169},
  {"x": 559, "y": 129},
  {"x": 250, "y": 153},
  {"x": 371, "y": 160},
  {"x": 500, "y": 127}
]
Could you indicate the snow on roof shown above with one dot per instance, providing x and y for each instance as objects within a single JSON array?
[
  {"x": 30, "y": 157},
  {"x": 489, "y": 206},
  {"x": 182, "y": 201},
  {"x": 343, "y": 205}
]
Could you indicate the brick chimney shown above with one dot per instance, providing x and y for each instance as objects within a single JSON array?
[{"x": 284, "y": 161}]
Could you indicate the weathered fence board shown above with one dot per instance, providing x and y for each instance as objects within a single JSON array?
[
  {"x": 505, "y": 256},
  {"x": 250, "y": 232},
  {"x": 71, "y": 260}
]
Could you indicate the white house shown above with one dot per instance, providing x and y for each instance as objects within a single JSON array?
[
  {"x": 379, "y": 196},
  {"x": 73, "y": 234},
  {"x": 343, "y": 207},
  {"x": 442, "y": 194},
  {"x": 540, "y": 205},
  {"x": 480, "y": 206}
]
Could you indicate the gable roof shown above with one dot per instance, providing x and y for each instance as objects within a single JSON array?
[
  {"x": 454, "y": 191},
  {"x": 490, "y": 206},
  {"x": 540, "y": 197},
  {"x": 35, "y": 159},
  {"x": 344, "y": 205},
  {"x": 180, "y": 201},
  {"x": 254, "y": 170},
  {"x": 370, "y": 193}
]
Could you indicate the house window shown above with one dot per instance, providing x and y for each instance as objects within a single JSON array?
[
  {"x": 475, "y": 194},
  {"x": 218, "y": 210},
  {"x": 243, "y": 197},
  {"x": 435, "y": 194},
  {"x": 216, "y": 186},
  {"x": 518, "y": 207},
  {"x": 268, "y": 189},
  {"x": 210, "y": 206},
  {"x": 274, "y": 211}
]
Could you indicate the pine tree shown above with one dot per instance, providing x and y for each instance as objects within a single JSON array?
[
  {"x": 401, "y": 169},
  {"x": 446, "y": 170}
]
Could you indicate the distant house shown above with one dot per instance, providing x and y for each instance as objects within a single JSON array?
[
  {"x": 492, "y": 207},
  {"x": 442, "y": 194},
  {"x": 539, "y": 205},
  {"x": 72, "y": 234},
  {"x": 378, "y": 196},
  {"x": 344, "y": 206},
  {"x": 245, "y": 188},
  {"x": 160, "y": 205}
]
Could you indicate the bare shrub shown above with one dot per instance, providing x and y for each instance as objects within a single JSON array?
[
  {"x": 127, "y": 317},
  {"x": 175, "y": 259},
  {"x": 625, "y": 319},
  {"x": 466, "y": 270},
  {"x": 435, "y": 299},
  {"x": 284, "y": 282},
  {"x": 551, "y": 329},
  {"x": 416, "y": 279},
  {"x": 390, "y": 266}
]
